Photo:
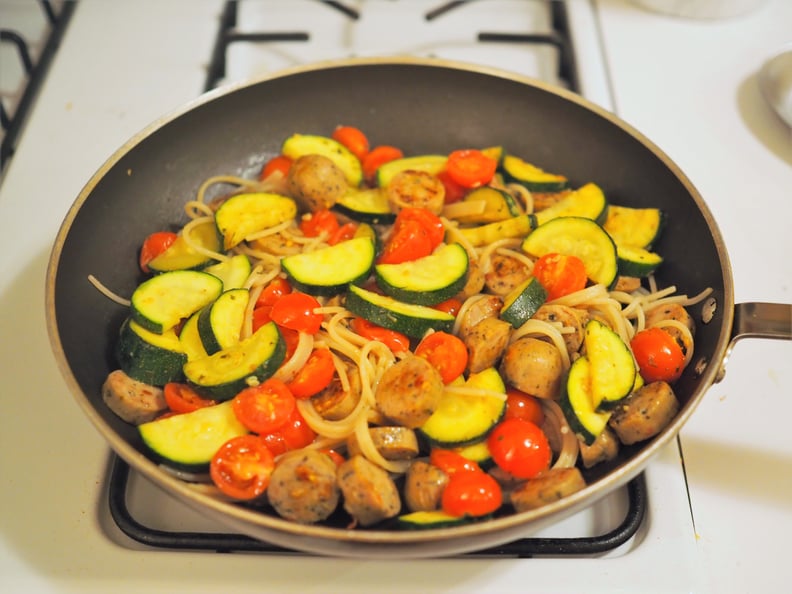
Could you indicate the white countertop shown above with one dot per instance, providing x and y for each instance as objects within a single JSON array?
[{"x": 688, "y": 85}]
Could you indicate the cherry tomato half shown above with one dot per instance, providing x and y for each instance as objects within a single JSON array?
[
  {"x": 277, "y": 288},
  {"x": 428, "y": 221},
  {"x": 395, "y": 341},
  {"x": 314, "y": 224},
  {"x": 659, "y": 356},
  {"x": 315, "y": 375},
  {"x": 454, "y": 192},
  {"x": 560, "y": 274},
  {"x": 408, "y": 243},
  {"x": 520, "y": 448},
  {"x": 472, "y": 494},
  {"x": 280, "y": 164},
  {"x": 452, "y": 462},
  {"x": 520, "y": 405},
  {"x": 470, "y": 168},
  {"x": 181, "y": 398},
  {"x": 242, "y": 467},
  {"x": 446, "y": 352},
  {"x": 153, "y": 246},
  {"x": 377, "y": 157},
  {"x": 293, "y": 435},
  {"x": 353, "y": 139},
  {"x": 296, "y": 312},
  {"x": 264, "y": 408}
]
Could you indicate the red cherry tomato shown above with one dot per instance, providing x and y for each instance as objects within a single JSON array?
[
  {"x": 520, "y": 448},
  {"x": 454, "y": 192},
  {"x": 452, "y": 462},
  {"x": 277, "y": 288},
  {"x": 314, "y": 224},
  {"x": 293, "y": 435},
  {"x": 343, "y": 233},
  {"x": 449, "y": 306},
  {"x": 261, "y": 316},
  {"x": 659, "y": 356},
  {"x": 242, "y": 467},
  {"x": 428, "y": 221},
  {"x": 472, "y": 494},
  {"x": 520, "y": 405},
  {"x": 409, "y": 243},
  {"x": 153, "y": 246},
  {"x": 395, "y": 341},
  {"x": 181, "y": 398},
  {"x": 560, "y": 274},
  {"x": 377, "y": 157},
  {"x": 353, "y": 139},
  {"x": 280, "y": 164},
  {"x": 470, "y": 168},
  {"x": 295, "y": 311},
  {"x": 446, "y": 352},
  {"x": 315, "y": 375},
  {"x": 264, "y": 408}
]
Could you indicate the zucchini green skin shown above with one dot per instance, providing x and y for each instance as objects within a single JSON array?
[
  {"x": 369, "y": 205},
  {"x": 577, "y": 236},
  {"x": 233, "y": 272},
  {"x": 577, "y": 405},
  {"x": 587, "y": 201},
  {"x": 426, "y": 281},
  {"x": 611, "y": 366},
  {"x": 515, "y": 227},
  {"x": 532, "y": 177},
  {"x": 224, "y": 374},
  {"x": 153, "y": 359},
  {"x": 188, "y": 441},
  {"x": 180, "y": 256},
  {"x": 433, "y": 164},
  {"x": 636, "y": 261},
  {"x": 243, "y": 215},
  {"x": 409, "y": 319},
  {"x": 299, "y": 145},
  {"x": 427, "y": 520},
  {"x": 329, "y": 271},
  {"x": 478, "y": 452},
  {"x": 521, "y": 304},
  {"x": 637, "y": 227},
  {"x": 464, "y": 419},
  {"x": 162, "y": 301},
  {"x": 220, "y": 323}
]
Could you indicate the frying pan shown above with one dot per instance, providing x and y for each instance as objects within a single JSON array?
[{"x": 422, "y": 106}]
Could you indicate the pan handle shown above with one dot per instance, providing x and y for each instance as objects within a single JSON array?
[{"x": 758, "y": 320}]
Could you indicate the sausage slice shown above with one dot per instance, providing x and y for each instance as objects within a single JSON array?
[
  {"x": 303, "y": 487},
  {"x": 133, "y": 401},
  {"x": 409, "y": 391},
  {"x": 370, "y": 495},
  {"x": 550, "y": 486}
]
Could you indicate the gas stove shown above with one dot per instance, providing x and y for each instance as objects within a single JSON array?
[{"x": 120, "y": 66}]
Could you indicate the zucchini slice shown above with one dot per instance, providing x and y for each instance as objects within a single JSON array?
[
  {"x": 162, "y": 301},
  {"x": 428, "y": 519},
  {"x": 234, "y": 272},
  {"x": 409, "y": 319},
  {"x": 523, "y": 302},
  {"x": 428, "y": 280},
  {"x": 637, "y": 262},
  {"x": 465, "y": 418},
  {"x": 328, "y": 271},
  {"x": 577, "y": 405},
  {"x": 245, "y": 214},
  {"x": 478, "y": 452},
  {"x": 153, "y": 359},
  {"x": 496, "y": 152},
  {"x": 222, "y": 375},
  {"x": 188, "y": 441},
  {"x": 190, "y": 339},
  {"x": 220, "y": 323},
  {"x": 299, "y": 145},
  {"x": 531, "y": 176},
  {"x": 577, "y": 236},
  {"x": 588, "y": 201},
  {"x": 497, "y": 205},
  {"x": 368, "y": 205},
  {"x": 433, "y": 164},
  {"x": 611, "y": 366},
  {"x": 181, "y": 255},
  {"x": 637, "y": 227},
  {"x": 518, "y": 226}
]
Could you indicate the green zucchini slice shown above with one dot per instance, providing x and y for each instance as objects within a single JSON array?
[
  {"x": 222, "y": 375},
  {"x": 522, "y": 302},
  {"x": 367, "y": 205},
  {"x": 588, "y": 201},
  {"x": 190, "y": 339},
  {"x": 162, "y": 301},
  {"x": 496, "y": 152},
  {"x": 153, "y": 359},
  {"x": 611, "y": 366},
  {"x": 234, "y": 272},
  {"x": 220, "y": 323},
  {"x": 188, "y": 441},
  {"x": 328, "y": 271},
  {"x": 637, "y": 262},
  {"x": 637, "y": 227},
  {"x": 576, "y": 402},
  {"x": 428, "y": 519},
  {"x": 181, "y": 255},
  {"x": 242, "y": 215},
  {"x": 428, "y": 280},
  {"x": 409, "y": 319},
  {"x": 478, "y": 452},
  {"x": 497, "y": 205},
  {"x": 433, "y": 164},
  {"x": 515, "y": 227},
  {"x": 577, "y": 236},
  {"x": 531, "y": 176},
  {"x": 462, "y": 419},
  {"x": 299, "y": 145}
]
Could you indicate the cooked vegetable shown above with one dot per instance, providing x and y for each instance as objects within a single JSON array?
[
  {"x": 279, "y": 164},
  {"x": 577, "y": 403},
  {"x": 180, "y": 255},
  {"x": 265, "y": 407},
  {"x": 220, "y": 323},
  {"x": 181, "y": 398},
  {"x": 242, "y": 467},
  {"x": 518, "y": 226},
  {"x": 523, "y": 302},
  {"x": 531, "y": 176},
  {"x": 330, "y": 270},
  {"x": 431, "y": 164},
  {"x": 233, "y": 272},
  {"x": 314, "y": 376},
  {"x": 637, "y": 262},
  {"x": 153, "y": 246},
  {"x": 301, "y": 145},
  {"x": 611, "y": 366},
  {"x": 446, "y": 352},
  {"x": 297, "y": 311},
  {"x": 376, "y": 158},
  {"x": 352, "y": 138},
  {"x": 588, "y": 202},
  {"x": 471, "y": 494},
  {"x": 520, "y": 448},
  {"x": 147, "y": 357},
  {"x": 428, "y": 519},
  {"x": 636, "y": 227},
  {"x": 242, "y": 215},
  {"x": 395, "y": 341},
  {"x": 368, "y": 205},
  {"x": 560, "y": 274},
  {"x": 471, "y": 168},
  {"x": 659, "y": 356}
]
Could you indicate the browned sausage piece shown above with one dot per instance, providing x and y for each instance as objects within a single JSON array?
[
  {"x": 569, "y": 317},
  {"x": 423, "y": 486},
  {"x": 334, "y": 403},
  {"x": 393, "y": 442},
  {"x": 644, "y": 413},
  {"x": 533, "y": 366},
  {"x": 628, "y": 284},
  {"x": 604, "y": 448},
  {"x": 303, "y": 487},
  {"x": 409, "y": 391},
  {"x": 370, "y": 495},
  {"x": 505, "y": 274},
  {"x": 486, "y": 343},
  {"x": 133, "y": 401},
  {"x": 487, "y": 306},
  {"x": 550, "y": 486},
  {"x": 315, "y": 182},
  {"x": 416, "y": 189}
]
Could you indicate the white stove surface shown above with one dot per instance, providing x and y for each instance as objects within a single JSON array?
[{"x": 56, "y": 536}]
